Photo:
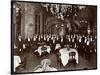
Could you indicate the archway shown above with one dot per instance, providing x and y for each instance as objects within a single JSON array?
[{"x": 57, "y": 26}]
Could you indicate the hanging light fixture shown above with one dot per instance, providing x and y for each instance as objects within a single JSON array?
[{"x": 60, "y": 11}]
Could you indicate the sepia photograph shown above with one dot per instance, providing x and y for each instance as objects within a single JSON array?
[{"x": 52, "y": 37}]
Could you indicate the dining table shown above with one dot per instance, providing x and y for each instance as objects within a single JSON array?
[
  {"x": 42, "y": 49},
  {"x": 64, "y": 55},
  {"x": 17, "y": 61}
]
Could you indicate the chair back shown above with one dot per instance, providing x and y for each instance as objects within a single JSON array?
[
  {"x": 44, "y": 48},
  {"x": 72, "y": 55}
]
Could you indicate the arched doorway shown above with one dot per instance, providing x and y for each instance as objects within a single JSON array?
[{"x": 57, "y": 26}]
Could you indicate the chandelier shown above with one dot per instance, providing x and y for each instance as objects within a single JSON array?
[{"x": 60, "y": 10}]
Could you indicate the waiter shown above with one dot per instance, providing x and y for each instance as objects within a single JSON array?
[
  {"x": 20, "y": 44},
  {"x": 73, "y": 42},
  {"x": 88, "y": 49},
  {"x": 28, "y": 44},
  {"x": 53, "y": 43},
  {"x": 80, "y": 45}
]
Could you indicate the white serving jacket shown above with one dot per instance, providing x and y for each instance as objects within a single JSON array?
[{"x": 65, "y": 55}]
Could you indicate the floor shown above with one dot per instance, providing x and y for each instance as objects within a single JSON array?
[{"x": 33, "y": 61}]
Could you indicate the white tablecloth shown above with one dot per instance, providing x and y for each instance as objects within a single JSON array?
[
  {"x": 41, "y": 51},
  {"x": 47, "y": 69},
  {"x": 17, "y": 62},
  {"x": 65, "y": 55},
  {"x": 45, "y": 66}
]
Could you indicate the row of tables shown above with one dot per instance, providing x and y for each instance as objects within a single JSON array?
[{"x": 64, "y": 54}]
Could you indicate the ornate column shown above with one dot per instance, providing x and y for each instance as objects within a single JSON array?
[
  {"x": 23, "y": 20},
  {"x": 14, "y": 21},
  {"x": 29, "y": 20},
  {"x": 33, "y": 15},
  {"x": 41, "y": 24}
]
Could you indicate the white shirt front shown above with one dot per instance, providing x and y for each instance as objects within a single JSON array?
[
  {"x": 57, "y": 46},
  {"x": 88, "y": 42}
]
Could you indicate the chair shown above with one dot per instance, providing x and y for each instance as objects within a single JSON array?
[
  {"x": 44, "y": 49},
  {"x": 72, "y": 60}
]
